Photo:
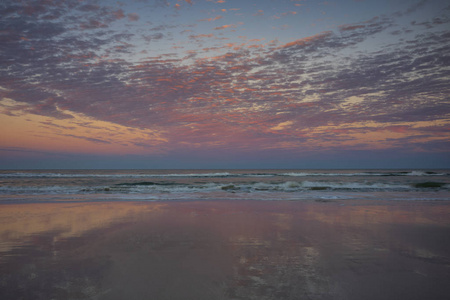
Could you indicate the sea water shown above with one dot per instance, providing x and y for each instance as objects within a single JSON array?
[{"x": 23, "y": 186}]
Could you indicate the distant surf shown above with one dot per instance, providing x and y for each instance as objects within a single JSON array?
[
  {"x": 163, "y": 185},
  {"x": 121, "y": 174}
]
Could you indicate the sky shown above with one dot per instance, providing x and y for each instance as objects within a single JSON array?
[{"x": 224, "y": 84}]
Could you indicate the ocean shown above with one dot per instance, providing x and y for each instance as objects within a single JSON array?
[
  {"x": 35, "y": 186},
  {"x": 224, "y": 234}
]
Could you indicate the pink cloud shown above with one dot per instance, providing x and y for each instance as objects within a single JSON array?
[
  {"x": 306, "y": 40},
  {"x": 211, "y": 94},
  {"x": 212, "y": 19},
  {"x": 350, "y": 27},
  {"x": 198, "y": 36},
  {"x": 118, "y": 14},
  {"x": 228, "y": 26},
  {"x": 278, "y": 16},
  {"x": 259, "y": 13},
  {"x": 133, "y": 17},
  {"x": 225, "y": 26}
]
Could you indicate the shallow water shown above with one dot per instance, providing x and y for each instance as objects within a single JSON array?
[{"x": 229, "y": 249}]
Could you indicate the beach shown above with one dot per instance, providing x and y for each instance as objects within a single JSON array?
[
  {"x": 225, "y": 249},
  {"x": 229, "y": 150}
]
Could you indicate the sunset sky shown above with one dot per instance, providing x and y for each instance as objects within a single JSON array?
[{"x": 225, "y": 84}]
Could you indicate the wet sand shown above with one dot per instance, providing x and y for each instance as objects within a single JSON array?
[{"x": 225, "y": 250}]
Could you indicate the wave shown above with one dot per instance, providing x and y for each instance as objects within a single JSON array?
[
  {"x": 89, "y": 174},
  {"x": 122, "y": 175},
  {"x": 38, "y": 190},
  {"x": 149, "y": 187},
  {"x": 395, "y": 173}
]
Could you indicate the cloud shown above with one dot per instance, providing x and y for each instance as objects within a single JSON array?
[
  {"x": 260, "y": 12},
  {"x": 151, "y": 37},
  {"x": 228, "y": 26},
  {"x": 88, "y": 7},
  {"x": 289, "y": 13},
  {"x": 416, "y": 6},
  {"x": 212, "y": 19},
  {"x": 350, "y": 27},
  {"x": 307, "y": 40},
  {"x": 93, "y": 24},
  {"x": 201, "y": 36},
  {"x": 312, "y": 92},
  {"x": 89, "y": 139},
  {"x": 225, "y": 26},
  {"x": 282, "y": 125},
  {"x": 133, "y": 17},
  {"x": 118, "y": 14},
  {"x": 279, "y": 16}
]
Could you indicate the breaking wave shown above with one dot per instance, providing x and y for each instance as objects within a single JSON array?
[
  {"x": 149, "y": 187},
  {"x": 162, "y": 185},
  {"x": 400, "y": 173}
]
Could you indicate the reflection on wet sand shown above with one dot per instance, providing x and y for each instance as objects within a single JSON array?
[
  {"x": 20, "y": 224},
  {"x": 225, "y": 250}
]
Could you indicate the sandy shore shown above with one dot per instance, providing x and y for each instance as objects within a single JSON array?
[{"x": 225, "y": 250}]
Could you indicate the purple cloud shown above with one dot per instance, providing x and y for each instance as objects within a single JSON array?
[{"x": 273, "y": 97}]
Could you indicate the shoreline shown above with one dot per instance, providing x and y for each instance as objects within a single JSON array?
[{"x": 341, "y": 202}]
